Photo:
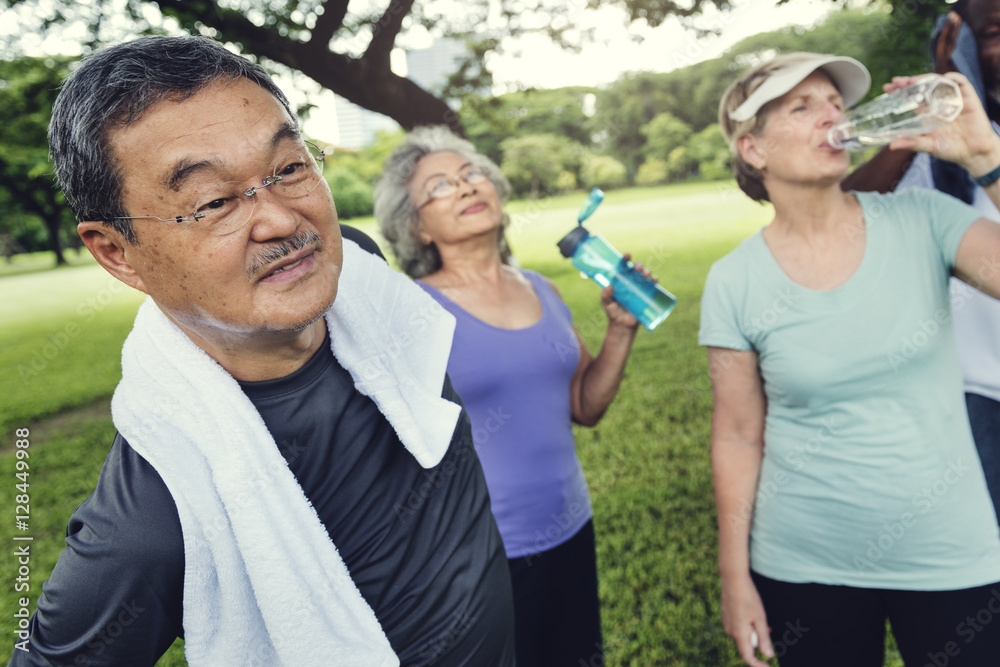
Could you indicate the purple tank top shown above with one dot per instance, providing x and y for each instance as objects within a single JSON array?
[{"x": 515, "y": 386}]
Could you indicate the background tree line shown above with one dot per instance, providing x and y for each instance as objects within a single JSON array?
[{"x": 645, "y": 128}]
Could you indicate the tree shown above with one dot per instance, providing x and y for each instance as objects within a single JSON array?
[
  {"x": 663, "y": 134},
  {"x": 535, "y": 162},
  {"x": 652, "y": 172},
  {"x": 679, "y": 164},
  {"x": 603, "y": 171},
  {"x": 881, "y": 35},
  {"x": 349, "y": 53},
  {"x": 28, "y": 88},
  {"x": 708, "y": 149},
  {"x": 620, "y": 112}
]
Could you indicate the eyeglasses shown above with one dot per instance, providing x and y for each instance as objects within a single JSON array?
[
  {"x": 224, "y": 208},
  {"x": 443, "y": 186}
]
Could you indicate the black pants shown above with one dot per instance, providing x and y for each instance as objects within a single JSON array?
[
  {"x": 814, "y": 625},
  {"x": 984, "y": 418},
  {"x": 557, "y": 620}
]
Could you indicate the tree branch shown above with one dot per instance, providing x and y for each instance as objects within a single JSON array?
[
  {"x": 329, "y": 22},
  {"x": 385, "y": 31},
  {"x": 366, "y": 81}
]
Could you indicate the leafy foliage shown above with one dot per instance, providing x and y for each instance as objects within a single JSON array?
[
  {"x": 534, "y": 162},
  {"x": 652, "y": 172},
  {"x": 603, "y": 171},
  {"x": 663, "y": 134},
  {"x": 34, "y": 213},
  {"x": 667, "y": 116}
]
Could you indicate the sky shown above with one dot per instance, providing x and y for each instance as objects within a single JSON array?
[
  {"x": 618, "y": 47},
  {"x": 541, "y": 64}
]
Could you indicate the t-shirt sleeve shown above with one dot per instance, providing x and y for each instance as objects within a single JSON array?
[
  {"x": 366, "y": 242},
  {"x": 950, "y": 219},
  {"x": 720, "y": 311},
  {"x": 115, "y": 597}
]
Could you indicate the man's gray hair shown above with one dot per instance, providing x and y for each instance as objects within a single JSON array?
[
  {"x": 112, "y": 88},
  {"x": 396, "y": 212}
]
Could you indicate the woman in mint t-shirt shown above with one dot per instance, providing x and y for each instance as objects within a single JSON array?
[
  {"x": 848, "y": 487},
  {"x": 524, "y": 375}
]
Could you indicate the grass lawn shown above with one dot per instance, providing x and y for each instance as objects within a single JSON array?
[{"x": 647, "y": 462}]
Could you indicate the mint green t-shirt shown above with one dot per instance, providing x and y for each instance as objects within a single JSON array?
[{"x": 870, "y": 477}]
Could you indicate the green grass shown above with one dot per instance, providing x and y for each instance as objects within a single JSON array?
[
  {"x": 647, "y": 462},
  {"x": 31, "y": 262},
  {"x": 61, "y": 340}
]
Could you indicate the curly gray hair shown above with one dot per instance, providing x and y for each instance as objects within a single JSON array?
[{"x": 396, "y": 212}]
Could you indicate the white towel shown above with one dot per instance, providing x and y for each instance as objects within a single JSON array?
[{"x": 263, "y": 583}]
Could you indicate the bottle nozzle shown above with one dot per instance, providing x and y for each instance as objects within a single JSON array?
[
  {"x": 594, "y": 200},
  {"x": 835, "y": 135}
]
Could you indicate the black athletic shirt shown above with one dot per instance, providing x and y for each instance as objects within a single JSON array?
[{"x": 421, "y": 545}]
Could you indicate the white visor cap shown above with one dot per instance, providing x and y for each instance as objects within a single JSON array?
[{"x": 850, "y": 76}]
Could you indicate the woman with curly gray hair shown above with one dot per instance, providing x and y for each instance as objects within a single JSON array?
[{"x": 524, "y": 375}]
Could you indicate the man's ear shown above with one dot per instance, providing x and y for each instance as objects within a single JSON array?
[
  {"x": 752, "y": 151},
  {"x": 112, "y": 251}
]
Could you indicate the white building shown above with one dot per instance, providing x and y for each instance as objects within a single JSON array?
[
  {"x": 430, "y": 68},
  {"x": 357, "y": 126}
]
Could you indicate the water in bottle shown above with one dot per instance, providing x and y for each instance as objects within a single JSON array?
[
  {"x": 598, "y": 259},
  {"x": 928, "y": 103}
]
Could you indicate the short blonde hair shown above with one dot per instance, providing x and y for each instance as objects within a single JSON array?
[{"x": 749, "y": 178}]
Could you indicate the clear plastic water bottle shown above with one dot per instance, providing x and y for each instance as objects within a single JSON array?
[
  {"x": 928, "y": 103},
  {"x": 598, "y": 260}
]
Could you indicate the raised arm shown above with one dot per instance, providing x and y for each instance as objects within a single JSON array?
[
  {"x": 883, "y": 172},
  {"x": 971, "y": 143},
  {"x": 737, "y": 452},
  {"x": 597, "y": 379}
]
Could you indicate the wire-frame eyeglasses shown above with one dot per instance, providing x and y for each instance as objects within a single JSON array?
[{"x": 225, "y": 207}]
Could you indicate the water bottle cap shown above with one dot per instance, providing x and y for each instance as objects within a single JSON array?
[
  {"x": 567, "y": 245},
  {"x": 835, "y": 135}
]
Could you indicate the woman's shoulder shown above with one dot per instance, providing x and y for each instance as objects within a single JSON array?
[
  {"x": 539, "y": 281},
  {"x": 533, "y": 277},
  {"x": 739, "y": 259},
  {"x": 914, "y": 207},
  {"x": 901, "y": 201}
]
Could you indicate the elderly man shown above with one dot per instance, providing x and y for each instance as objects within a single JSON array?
[
  {"x": 966, "y": 40},
  {"x": 293, "y": 481}
]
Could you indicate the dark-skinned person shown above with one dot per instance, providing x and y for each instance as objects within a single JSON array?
[
  {"x": 847, "y": 484},
  {"x": 966, "y": 40},
  {"x": 524, "y": 374},
  {"x": 289, "y": 485}
]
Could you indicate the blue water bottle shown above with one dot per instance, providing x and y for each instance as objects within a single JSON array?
[{"x": 598, "y": 260}]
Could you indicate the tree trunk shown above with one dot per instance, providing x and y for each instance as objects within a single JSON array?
[{"x": 52, "y": 224}]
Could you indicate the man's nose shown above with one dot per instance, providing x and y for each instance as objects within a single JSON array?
[{"x": 272, "y": 217}]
